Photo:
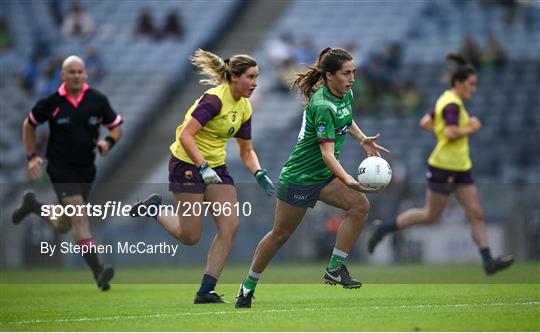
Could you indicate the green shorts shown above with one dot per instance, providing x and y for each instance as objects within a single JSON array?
[{"x": 301, "y": 195}]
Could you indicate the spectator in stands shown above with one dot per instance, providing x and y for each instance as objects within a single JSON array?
[
  {"x": 30, "y": 74},
  {"x": 449, "y": 167},
  {"x": 197, "y": 170},
  {"x": 74, "y": 113},
  {"x": 280, "y": 50},
  {"x": 493, "y": 54},
  {"x": 78, "y": 24},
  {"x": 6, "y": 41},
  {"x": 94, "y": 65},
  {"x": 410, "y": 97},
  {"x": 356, "y": 51},
  {"x": 145, "y": 24},
  {"x": 173, "y": 26},
  {"x": 470, "y": 51},
  {"x": 51, "y": 78},
  {"x": 393, "y": 58},
  {"x": 304, "y": 52}
]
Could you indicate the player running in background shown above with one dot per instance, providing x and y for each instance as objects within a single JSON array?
[
  {"x": 74, "y": 113},
  {"x": 313, "y": 171},
  {"x": 449, "y": 166},
  {"x": 197, "y": 170}
]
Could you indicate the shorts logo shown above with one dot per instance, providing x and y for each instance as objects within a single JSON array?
[
  {"x": 231, "y": 131},
  {"x": 321, "y": 127},
  {"x": 188, "y": 175},
  {"x": 300, "y": 197},
  {"x": 362, "y": 170}
]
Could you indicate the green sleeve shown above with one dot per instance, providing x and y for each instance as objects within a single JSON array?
[{"x": 324, "y": 124}]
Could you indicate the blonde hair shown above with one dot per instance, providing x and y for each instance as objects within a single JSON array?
[{"x": 218, "y": 70}]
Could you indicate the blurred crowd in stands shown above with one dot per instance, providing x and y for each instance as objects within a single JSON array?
[{"x": 40, "y": 75}]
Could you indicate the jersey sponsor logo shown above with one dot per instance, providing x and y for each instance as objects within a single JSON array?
[
  {"x": 93, "y": 120},
  {"x": 62, "y": 121},
  {"x": 231, "y": 131},
  {"x": 345, "y": 129},
  {"x": 342, "y": 112},
  {"x": 321, "y": 127}
]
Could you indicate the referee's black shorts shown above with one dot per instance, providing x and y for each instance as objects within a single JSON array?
[{"x": 69, "y": 180}]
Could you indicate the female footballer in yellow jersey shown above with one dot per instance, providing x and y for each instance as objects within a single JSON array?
[
  {"x": 197, "y": 170},
  {"x": 449, "y": 166}
]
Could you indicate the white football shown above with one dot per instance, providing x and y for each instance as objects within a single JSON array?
[{"x": 375, "y": 172}]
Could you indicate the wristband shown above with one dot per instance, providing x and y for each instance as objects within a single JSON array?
[
  {"x": 111, "y": 141},
  {"x": 29, "y": 157},
  {"x": 203, "y": 166},
  {"x": 256, "y": 172}
]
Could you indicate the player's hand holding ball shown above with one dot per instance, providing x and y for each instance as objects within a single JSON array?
[{"x": 357, "y": 186}]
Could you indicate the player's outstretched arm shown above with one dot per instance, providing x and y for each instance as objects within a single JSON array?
[{"x": 368, "y": 142}]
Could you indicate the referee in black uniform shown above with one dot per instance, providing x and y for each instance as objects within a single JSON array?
[{"x": 74, "y": 113}]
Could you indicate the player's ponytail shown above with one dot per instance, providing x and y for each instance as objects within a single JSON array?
[
  {"x": 218, "y": 70},
  {"x": 461, "y": 71},
  {"x": 330, "y": 60}
]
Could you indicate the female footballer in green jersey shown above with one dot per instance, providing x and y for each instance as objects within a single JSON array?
[
  {"x": 313, "y": 171},
  {"x": 449, "y": 166},
  {"x": 197, "y": 170}
]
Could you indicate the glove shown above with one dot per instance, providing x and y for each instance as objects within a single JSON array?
[
  {"x": 209, "y": 175},
  {"x": 265, "y": 182}
]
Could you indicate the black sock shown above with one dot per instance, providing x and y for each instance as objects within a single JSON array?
[
  {"x": 35, "y": 207},
  {"x": 389, "y": 227},
  {"x": 208, "y": 284},
  {"x": 486, "y": 255},
  {"x": 91, "y": 257}
]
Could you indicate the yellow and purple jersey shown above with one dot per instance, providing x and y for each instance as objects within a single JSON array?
[
  {"x": 450, "y": 154},
  {"x": 221, "y": 117}
]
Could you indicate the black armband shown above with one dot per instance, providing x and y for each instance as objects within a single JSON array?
[
  {"x": 111, "y": 141},
  {"x": 30, "y": 156}
]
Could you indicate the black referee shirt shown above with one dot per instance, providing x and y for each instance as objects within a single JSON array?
[{"x": 74, "y": 124}]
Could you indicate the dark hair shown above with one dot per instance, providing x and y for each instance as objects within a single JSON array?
[
  {"x": 218, "y": 70},
  {"x": 330, "y": 60},
  {"x": 462, "y": 71}
]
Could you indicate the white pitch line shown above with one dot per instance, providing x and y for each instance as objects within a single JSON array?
[{"x": 166, "y": 315}]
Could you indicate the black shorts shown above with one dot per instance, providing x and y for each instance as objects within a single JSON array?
[
  {"x": 301, "y": 195},
  {"x": 68, "y": 180},
  {"x": 446, "y": 181},
  {"x": 186, "y": 178}
]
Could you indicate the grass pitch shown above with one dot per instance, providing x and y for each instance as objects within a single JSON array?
[{"x": 424, "y": 301}]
